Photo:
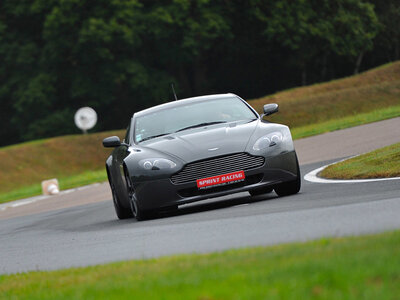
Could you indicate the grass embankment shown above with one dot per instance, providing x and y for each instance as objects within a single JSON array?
[
  {"x": 74, "y": 160},
  {"x": 346, "y": 122},
  {"x": 366, "y": 267},
  {"x": 79, "y": 160},
  {"x": 364, "y": 98},
  {"x": 382, "y": 163}
]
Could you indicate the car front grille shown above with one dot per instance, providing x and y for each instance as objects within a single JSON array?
[{"x": 217, "y": 166}]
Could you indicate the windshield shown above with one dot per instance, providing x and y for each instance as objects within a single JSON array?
[{"x": 191, "y": 115}]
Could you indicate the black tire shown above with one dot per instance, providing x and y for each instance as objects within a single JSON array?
[
  {"x": 122, "y": 212},
  {"x": 261, "y": 191},
  {"x": 291, "y": 187},
  {"x": 138, "y": 213}
]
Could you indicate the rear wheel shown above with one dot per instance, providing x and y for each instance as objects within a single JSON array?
[{"x": 291, "y": 187}]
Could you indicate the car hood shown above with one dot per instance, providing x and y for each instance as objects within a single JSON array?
[{"x": 203, "y": 142}]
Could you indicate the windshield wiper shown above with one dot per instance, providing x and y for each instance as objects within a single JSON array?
[
  {"x": 201, "y": 125},
  {"x": 154, "y": 136}
]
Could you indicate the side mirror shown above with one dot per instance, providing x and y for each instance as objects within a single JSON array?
[
  {"x": 270, "y": 109},
  {"x": 112, "y": 142}
]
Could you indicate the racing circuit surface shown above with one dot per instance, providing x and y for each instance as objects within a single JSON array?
[{"x": 80, "y": 228}]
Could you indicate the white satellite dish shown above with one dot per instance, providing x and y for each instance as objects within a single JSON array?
[{"x": 85, "y": 118}]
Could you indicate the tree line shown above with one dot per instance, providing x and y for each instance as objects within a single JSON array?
[{"x": 120, "y": 56}]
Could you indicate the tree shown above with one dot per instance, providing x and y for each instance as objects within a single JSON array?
[
  {"x": 183, "y": 36},
  {"x": 60, "y": 55},
  {"x": 387, "y": 42},
  {"x": 120, "y": 56},
  {"x": 314, "y": 29}
]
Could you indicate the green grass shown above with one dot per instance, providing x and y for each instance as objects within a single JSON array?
[
  {"x": 370, "y": 91},
  {"x": 89, "y": 177},
  {"x": 368, "y": 97},
  {"x": 73, "y": 181},
  {"x": 74, "y": 160},
  {"x": 346, "y": 122},
  {"x": 381, "y": 163},
  {"x": 99, "y": 175},
  {"x": 366, "y": 267}
]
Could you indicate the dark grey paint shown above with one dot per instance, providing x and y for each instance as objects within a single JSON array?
[{"x": 154, "y": 190}]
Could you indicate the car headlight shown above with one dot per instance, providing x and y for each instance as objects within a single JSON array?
[
  {"x": 157, "y": 164},
  {"x": 268, "y": 140},
  {"x": 275, "y": 140}
]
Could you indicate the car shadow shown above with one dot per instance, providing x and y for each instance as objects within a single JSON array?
[
  {"x": 213, "y": 204},
  {"x": 154, "y": 219}
]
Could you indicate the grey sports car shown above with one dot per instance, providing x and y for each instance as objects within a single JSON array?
[{"x": 198, "y": 148}]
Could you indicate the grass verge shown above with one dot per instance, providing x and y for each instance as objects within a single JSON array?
[
  {"x": 381, "y": 163},
  {"x": 75, "y": 160},
  {"x": 368, "y": 97},
  {"x": 322, "y": 269},
  {"x": 74, "y": 181},
  {"x": 89, "y": 177},
  {"x": 346, "y": 122},
  {"x": 318, "y": 103}
]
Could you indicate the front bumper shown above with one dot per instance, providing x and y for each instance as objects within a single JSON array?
[{"x": 161, "y": 193}]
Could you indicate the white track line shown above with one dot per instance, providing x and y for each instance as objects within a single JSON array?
[
  {"x": 313, "y": 176},
  {"x": 26, "y": 201}
]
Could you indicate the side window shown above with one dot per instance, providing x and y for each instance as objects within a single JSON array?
[{"x": 126, "y": 139}]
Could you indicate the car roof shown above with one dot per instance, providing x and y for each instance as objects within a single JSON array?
[{"x": 183, "y": 102}]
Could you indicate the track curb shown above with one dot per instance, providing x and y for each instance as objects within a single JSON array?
[{"x": 313, "y": 176}]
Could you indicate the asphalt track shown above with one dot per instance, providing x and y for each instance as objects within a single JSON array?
[{"x": 79, "y": 228}]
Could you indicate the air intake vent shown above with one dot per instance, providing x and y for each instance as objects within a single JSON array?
[{"x": 217, "y": 166}]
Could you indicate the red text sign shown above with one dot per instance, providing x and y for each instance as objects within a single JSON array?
[{"x": 220, "y": 180}]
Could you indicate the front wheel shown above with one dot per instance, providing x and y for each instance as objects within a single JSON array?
[
  {"x": 291, "y": 187},
  {"x": 138, "y": 213},
  {"x": 122, "y": 212}
]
